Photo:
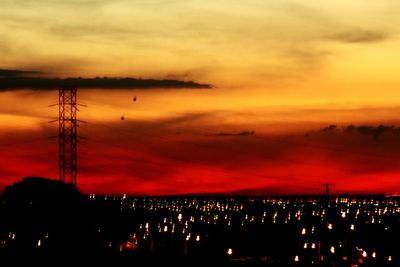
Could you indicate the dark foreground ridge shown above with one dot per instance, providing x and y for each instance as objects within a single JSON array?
[
  {"x": 43, "y": 218},
  {"x": 48, "y": 221},
  {"x": 38, "y": 83}
]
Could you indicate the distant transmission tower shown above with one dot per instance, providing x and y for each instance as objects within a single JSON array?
[
  {"x": 67, "y": 135},
  {"x": 327, "y": 193}
]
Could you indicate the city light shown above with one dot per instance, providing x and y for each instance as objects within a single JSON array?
[
  {"x": 296, "y": 258},
  {"x": 197, "y": 219}
]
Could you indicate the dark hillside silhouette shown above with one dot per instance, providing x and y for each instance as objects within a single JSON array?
[{"x": 46, "y": 217}]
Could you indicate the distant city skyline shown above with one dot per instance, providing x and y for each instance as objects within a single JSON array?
[{"x": 302, "y": 93}]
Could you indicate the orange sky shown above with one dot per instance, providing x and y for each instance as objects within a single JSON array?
[{"x": 280, "y": 68}]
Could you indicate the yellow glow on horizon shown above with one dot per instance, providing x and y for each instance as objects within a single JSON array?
[
  {"x": 271, "y": 44},
  {"x": 10, "y": 123},
  {"x": 270, "y": 62}
]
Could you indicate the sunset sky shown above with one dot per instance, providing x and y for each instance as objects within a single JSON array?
[{"x": 286, "y": 70}]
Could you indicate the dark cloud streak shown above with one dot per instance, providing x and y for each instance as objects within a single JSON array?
[
  {"x": 369, "y": 130},
  {"x": 244, "y": 133},
  {"x": 12, "y": 83},
  {"x": 359, "y": 36},
  {"x": 9, "y": 73}
]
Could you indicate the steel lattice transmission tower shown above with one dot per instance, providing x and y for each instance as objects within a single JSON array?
[
  {"x": 67, "y": 135},
  {"x": 327, "y": 188}
]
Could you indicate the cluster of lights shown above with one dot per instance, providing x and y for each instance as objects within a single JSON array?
[
  {"x": 189, "y": 219},
  {"x": 186, "y": 214}
]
